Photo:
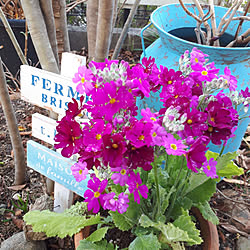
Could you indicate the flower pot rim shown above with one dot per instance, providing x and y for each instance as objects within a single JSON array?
[{"x": 242, "y": 49}]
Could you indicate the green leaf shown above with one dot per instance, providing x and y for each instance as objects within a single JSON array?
[
  {"x": 146, "y": 222},
  {"x": 207, "y": 212},
  {"x": 203, "y": 192},
  {"x": 145, "y": 242},
  {"x": 128, "y": 219},
  {"x": 101, "y": 245},
  {"x": 196, "y": 180},
  {"x": 58, "y": 224},
  {"x": 98, "y": 234},
  {"x": 231, "y": 169},
  {"x": 185, "y": 223}
]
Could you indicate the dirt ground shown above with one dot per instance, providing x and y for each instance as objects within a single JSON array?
[{"x": 231, "y": 201}]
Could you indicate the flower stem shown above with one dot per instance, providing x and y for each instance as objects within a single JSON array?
[
  {"x": 158, "y": 201},
  {"x": 169, "y": 211}
]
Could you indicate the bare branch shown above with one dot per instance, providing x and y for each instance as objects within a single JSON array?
[
  {"x": 213, "y": 23},
  {"x": 243, "y": 18},
  {"x": 72, "y": 5},
  {"x": 244, "y": 38},
  {"x": 189, "y": 12}
]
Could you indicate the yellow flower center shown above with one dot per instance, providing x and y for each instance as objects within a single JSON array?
[
  {"x": 210, "y": 129},
  {"x": 123, "y": 172},
  {"x": 173, "y": 146},
  {"x": 96, "y": 86},
  {"x": 153, "y": 119},
  {"x": 137, "y": 185},
  {"x": 170, "y": 82},
  {"x": 80, "y": 171},
  {"x": 141, "y": 137},
  {"x": 133, "y": 148},
  {"x": 204, "y": 73},
  {"x": 83, "y": 80},
  {"x": 112, "y": 101},
  {"x": 96, "y": 194},
  {"x": 212, "y": 119},
  {"x": 154, "y": 134},
  {"x": 130, "y": 90},
  {"x": 176, "y": 96},
  {"x": 114, "y": 145},
  {"x": 189, "y": 121},
  {"x": 208, "y": 167},
  {"x": 196, "y": 60},
  {"x": 98, "y": 137}
]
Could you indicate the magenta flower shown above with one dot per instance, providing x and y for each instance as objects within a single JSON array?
[
  {"x": 94, "y": 197},
  {"x": 167, "y": 77},
  {"x": 135, "y": 187},
  {"x": 148, "y": 116},
  {"x": 81, "y": 77},
  {"x": 114, "y": 148},
  {"x": 202, "y": 73},
  {"x": 109, "y": 202},
  {"x": 174, "y": 146},
  {"x": 101, "y": 65},
  {"x": 140, "y": 134},
  {"x": 79, "y": 171},
  {"x": 209, "y": 168},
  {"x": 196, "y": 153},
  {"x": 245, "y": 93},
  {"x": 122, "y": 203},
  {"x": 122, "y": 176},
  {"x": 140, "y": 157},
  {"x": 231, "y": 80},
  {"x": 158, "y": 134},
  {"x": 68, "y": 136}
]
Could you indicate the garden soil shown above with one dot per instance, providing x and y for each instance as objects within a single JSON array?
[{"x": 230, "y": 202}]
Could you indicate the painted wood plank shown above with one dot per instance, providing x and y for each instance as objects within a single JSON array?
[
  {"x": 70, "y": 63},
  {"x": 44, "y": 128},
  {"x": 54, "y": 166},
  {"x": 46, "y": 89}
]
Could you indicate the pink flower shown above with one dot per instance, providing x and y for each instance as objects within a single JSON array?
[
  {"x": 209, "y": 168},
  {"x": 94, "y": 197},
  {"x": 174, "y": 146},
  {"x": 122, "y": 176},
  {"x": 203, "y": 73},
  {"x": 79, "y": 171},
  {"x": 81, "y": 77},
  {"x": 122, "y": 203},
  {"x": 231, "y": 80},
  {"x": 196, "y": 56},
  {"x": 158, "y": 134},
  {"x": 136, "y": 188},
  {"x": 109, "y": 202}
]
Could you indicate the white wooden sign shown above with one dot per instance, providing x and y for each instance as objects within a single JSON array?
[
  {"x": 44, "y": 128},
  {"x": 46, "y": 89}
]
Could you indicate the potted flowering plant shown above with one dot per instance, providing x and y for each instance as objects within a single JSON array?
[{"x": 149, "y": 169}]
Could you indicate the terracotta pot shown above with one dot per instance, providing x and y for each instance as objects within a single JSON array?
[
  {"x": 84, "y": 233},
  {"x": 208, "y": 230}
]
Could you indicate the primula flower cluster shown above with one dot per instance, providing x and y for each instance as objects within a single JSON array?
[{"x": 119, "y": 146}]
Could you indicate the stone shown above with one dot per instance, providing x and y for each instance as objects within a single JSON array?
[
  {"x": 18, "y": 241},
  {"x": 243, "y": 243}
]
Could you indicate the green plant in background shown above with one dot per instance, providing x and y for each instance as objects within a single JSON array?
[{"x": 21, "y": 204}]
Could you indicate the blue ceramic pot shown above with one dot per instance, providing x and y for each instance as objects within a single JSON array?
[{"x": 168, "y": 48}]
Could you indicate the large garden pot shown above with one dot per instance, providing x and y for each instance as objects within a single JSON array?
[
  {"x": 8, "y": 53},
  {"x": 172, "y": 21}
]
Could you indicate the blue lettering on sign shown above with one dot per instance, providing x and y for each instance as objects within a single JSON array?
[{"x": 54, "y": 166}]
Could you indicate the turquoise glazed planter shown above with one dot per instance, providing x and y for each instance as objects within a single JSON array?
[{"x": 168, "y": 48}]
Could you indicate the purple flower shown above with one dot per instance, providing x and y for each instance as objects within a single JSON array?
[
  {"x": 95, "y": 197},
  {"x": 79, "y": 171},
  {"x": 245, "y": 93},
  {"x": 135, "y": 187},
  {"x": 231, "y": 80},
  {"x": 122, "y": 176},
  {"x": 109, "y": 202},
  {"x": 122, "y": 203},
  {"x": 209, "y": 168},
  {"x": 196, "y": 153},
  {"x": 174, "y": 146},
  {"x": 158, "y": 134},
  {"x": 197, "y": 56}
]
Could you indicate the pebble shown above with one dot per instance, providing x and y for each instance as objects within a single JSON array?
[
  {"x": 3, "y": 206},
  {"x": 16, "y": 196}
]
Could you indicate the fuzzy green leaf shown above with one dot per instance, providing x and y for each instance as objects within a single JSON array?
[
  {"x": 121, "y": 221},
  {"x": 196, "y": 180},
  {"x": 185, "y": 223},
  {"x": 202, "y": 192},
  {"x": 145, "y": 242},
  {"x": 207, "y": 212},
  {"x": 101, "y": 245},
  {"x": 98, "y": 234},
  {"x": 58, "y": 224}
]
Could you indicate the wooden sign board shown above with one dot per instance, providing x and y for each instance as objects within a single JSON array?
[
  {"x": 46, "y": 89},
  {"x": 44, "y": 128},
  {"x": 54, "y": 166}
]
